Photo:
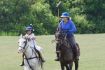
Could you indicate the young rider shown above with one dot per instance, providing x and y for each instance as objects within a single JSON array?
[{"x": 29, "y": 35}]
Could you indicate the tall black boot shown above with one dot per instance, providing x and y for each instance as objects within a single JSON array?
[{"x": 40, "y": 56}]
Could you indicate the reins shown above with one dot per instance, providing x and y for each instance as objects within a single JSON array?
[
  {"x": 26, "y": 56},
  {"x": 63, "y": 39}
]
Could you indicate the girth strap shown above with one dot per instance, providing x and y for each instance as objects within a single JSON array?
[{"x": 30, "y": 58}]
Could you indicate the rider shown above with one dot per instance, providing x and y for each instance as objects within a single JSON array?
[
  {"x": 31, "y": 37},
  {"x": 66, "y": 25}
]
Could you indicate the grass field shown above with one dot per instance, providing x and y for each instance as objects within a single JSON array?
[{"x": 92, "y": 52}]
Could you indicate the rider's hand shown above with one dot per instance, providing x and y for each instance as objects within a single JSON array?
[
  {"x": 66, "y": 31},
  {"x": 28, "y": 38}
]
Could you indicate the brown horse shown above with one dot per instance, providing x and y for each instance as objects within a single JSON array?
[{"x": 66, "y": 56}]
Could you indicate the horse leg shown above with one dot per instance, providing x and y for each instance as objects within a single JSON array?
[
  {"x": 26, "y": 68},
  {"x": 67, "y": 67},
  {"x": 62, "y": 66},
  {"x": 70, "y": 65},
  {"x": 35, "y": 64},
  {"x": 76, "y": 64}
]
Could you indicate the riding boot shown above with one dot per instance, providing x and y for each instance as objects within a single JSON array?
[
  {"x": 40, "y": 55},
  {"x": 57, "y": 59},
  {"x": 22, "y": 60}
]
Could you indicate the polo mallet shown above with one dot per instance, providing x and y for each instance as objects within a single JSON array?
[{"x": 57, "y": 6}]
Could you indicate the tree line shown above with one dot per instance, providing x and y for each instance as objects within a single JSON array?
[{"x": 15, "y": 15}]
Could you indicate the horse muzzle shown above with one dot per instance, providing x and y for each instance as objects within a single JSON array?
[{"x": 20, "y": 49}]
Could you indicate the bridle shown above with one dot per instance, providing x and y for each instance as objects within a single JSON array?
[
  {"x": 25, "y": 47},
  {"x": 61, "y": 38},
  {"x": 60, "y": 35}
]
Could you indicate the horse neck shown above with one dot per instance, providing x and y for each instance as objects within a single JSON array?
[
  {"x": 30, "y": 52},
  {"x": 66, "y": 50}
]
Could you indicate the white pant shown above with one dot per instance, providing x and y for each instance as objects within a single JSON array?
[{"x": 33, "y": 44}]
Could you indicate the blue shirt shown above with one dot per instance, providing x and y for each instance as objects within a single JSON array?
[{"x": 69, "y": 26}]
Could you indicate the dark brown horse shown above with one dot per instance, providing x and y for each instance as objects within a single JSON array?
[{"x": 66, "y": 56}]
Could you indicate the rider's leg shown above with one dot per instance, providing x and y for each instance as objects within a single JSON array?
[
  {"x": 57, "y": 52},
  {"x": 74, "y": 46},
  {"x": 40, "y": 55}
]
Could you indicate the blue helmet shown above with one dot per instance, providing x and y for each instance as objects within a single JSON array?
[
  {"x": 65, "y": 14},
  {"x": 29, "y": 28}
]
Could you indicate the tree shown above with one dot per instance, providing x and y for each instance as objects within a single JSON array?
[{"x": 15, "y": 15}]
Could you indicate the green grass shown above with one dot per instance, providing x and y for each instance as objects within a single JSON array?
[{"x": 92, "y": 52}]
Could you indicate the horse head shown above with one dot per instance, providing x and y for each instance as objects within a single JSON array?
[
  {"x": 62, "y": 42},
  {"x": 30, "y": 55},
  {"x": 22, "y": 42},
  {"x": 61, "y": 37}
]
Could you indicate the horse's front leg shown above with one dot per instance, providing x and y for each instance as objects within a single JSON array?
[
  {"x": 62, "y": 66},
  {"x": 71, "y": 65},
  {"x": 67, "y": 67},
  {"x": 76, "y": 64},
  {"x": 26, "y": 68}
]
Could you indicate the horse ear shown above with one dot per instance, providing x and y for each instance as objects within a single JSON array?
[{"x": 21, "y": 36}]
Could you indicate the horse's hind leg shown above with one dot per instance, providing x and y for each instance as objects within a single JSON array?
[{"x": 76, "y": 64}]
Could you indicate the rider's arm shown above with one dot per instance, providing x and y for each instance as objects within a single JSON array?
[
  {"x": 72, "y": 27},
  {"x": 30, "y": 37},
  {"x": 33, "y": 36}
]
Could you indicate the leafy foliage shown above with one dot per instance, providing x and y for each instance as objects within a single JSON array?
[{"x": 88, "y": 15}]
